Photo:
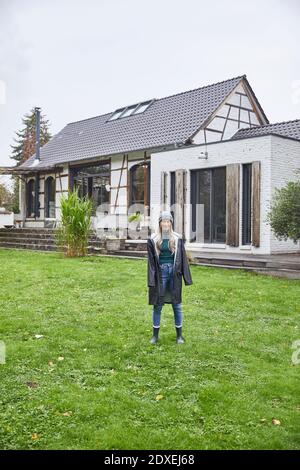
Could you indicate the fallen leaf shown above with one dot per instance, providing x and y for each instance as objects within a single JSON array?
[
  {"x": 34, "y": 436},
  {"x": 159, "y": 397},
  {"x": 31, "y": 384},
  {"x": 276, "y": 422}
]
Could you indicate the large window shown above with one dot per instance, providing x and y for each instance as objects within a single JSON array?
[
  {"x": 140, "y": 185},
  {"x": 208, "y": 198},
  {"x": 30, "y": 198},
  {"x": 91, "y": 181},
  {"x": 50, "y": 197}
]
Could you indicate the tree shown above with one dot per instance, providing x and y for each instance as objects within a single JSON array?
[
  {"x": 6, "y": 197},
  {"x": 284, "y": 215},
  {"x": 24, "y": 146},
  {"x": 26, "y": 138}
]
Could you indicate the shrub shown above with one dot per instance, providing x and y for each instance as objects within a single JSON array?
[
  {"x": 74, "y": 230},
  {"x": 284, "y": 215}
]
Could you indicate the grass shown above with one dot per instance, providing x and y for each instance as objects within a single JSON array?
[{"x": 93, "y": 381}]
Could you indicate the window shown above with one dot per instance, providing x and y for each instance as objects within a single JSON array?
[
  {"x": 142, "y": 107},
  {"x": 50, "y": 197},
  {"x": 91, "y": 181},
  {"x": 130, "y": 110},
  {"x": 140, "y": 185},
  {"x": 116, "y": 114},
  {"x": 30, "y": 198},
  {"x": 208, "y": 197}
]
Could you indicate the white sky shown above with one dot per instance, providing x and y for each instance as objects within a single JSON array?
[{"x": 78, "y": 59}]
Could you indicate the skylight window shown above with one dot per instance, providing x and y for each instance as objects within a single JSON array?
[
  {"x": 130, "y": 110},
  {"x": 142, "y": 107},
  {"x": 116, "y": 114}
]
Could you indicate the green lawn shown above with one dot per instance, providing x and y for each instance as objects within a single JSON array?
[{"x": 221, "y": 389}]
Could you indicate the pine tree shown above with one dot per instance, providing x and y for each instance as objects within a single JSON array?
[
  {"x": 26, "y": 138},
  {"x": 24, "y": 146}
]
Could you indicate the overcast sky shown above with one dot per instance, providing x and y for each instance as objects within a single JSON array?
[{"x": 77, "y": 59}]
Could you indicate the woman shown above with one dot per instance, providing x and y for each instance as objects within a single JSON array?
[{"x": 167, "y": 263}]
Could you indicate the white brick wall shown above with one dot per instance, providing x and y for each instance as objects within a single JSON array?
[
  {"x": 285, "y": 166},
  {"x": 269, "y": 150}
]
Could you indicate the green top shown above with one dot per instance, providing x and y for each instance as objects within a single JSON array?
[{"x": 166, "y": 255}]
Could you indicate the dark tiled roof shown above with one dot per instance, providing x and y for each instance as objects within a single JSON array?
[
  {"x": 289, "y": 129},
  {"x": 166, "y": 121}
]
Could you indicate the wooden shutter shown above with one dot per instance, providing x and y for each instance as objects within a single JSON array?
[
  {"x": 163, "y": 190},
  {"x": 232, "y": 203},
  {"x": 255, "y": 203},
  {"x": 180, "y": 186}
]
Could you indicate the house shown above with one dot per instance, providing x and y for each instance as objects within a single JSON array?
[
  {"x": 228, "y": 186},
  {"x": 209, "y": 154}
]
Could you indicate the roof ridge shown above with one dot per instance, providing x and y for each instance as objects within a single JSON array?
[
  {"x": 268, "y": 125},
  {"x": 204, "y": 86},
  {"x": 164, "y": 97}
]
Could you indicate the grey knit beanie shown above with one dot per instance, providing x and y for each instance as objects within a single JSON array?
[{"x": 165, "y": 215}]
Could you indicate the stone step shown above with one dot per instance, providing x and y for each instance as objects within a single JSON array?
[
  {"x": 28, "y": 230},
  {"x": 29, "y": 246},
  {"x": 129, "y": 253},
  {"x": 25, "y": 236},
  {"x": 289, "y": 265},
  {"x": 43, "y": 241},
  {"x": 284, "y": 273},
  {"x": 229, "y": 261},
  {"x": 28, "y": 240},
  {"x": 247, "y": 262},
  {"x": 136, "y": 246},
  {"x": 45, "y": 247},
  {"x": 32, "y": 231}
]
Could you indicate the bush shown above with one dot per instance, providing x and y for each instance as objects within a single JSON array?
[
  {"x": 73, "y": 233},
  {"x": 284, "y": 216}
]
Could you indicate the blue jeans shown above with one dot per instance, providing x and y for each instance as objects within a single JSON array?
[{"x": 167, "y": 279}]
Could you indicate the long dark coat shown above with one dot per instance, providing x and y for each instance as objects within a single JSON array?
[{"x": 181, "y": 268}]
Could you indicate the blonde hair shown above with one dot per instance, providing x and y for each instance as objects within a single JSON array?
[{"x": 171, "y": 242}]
